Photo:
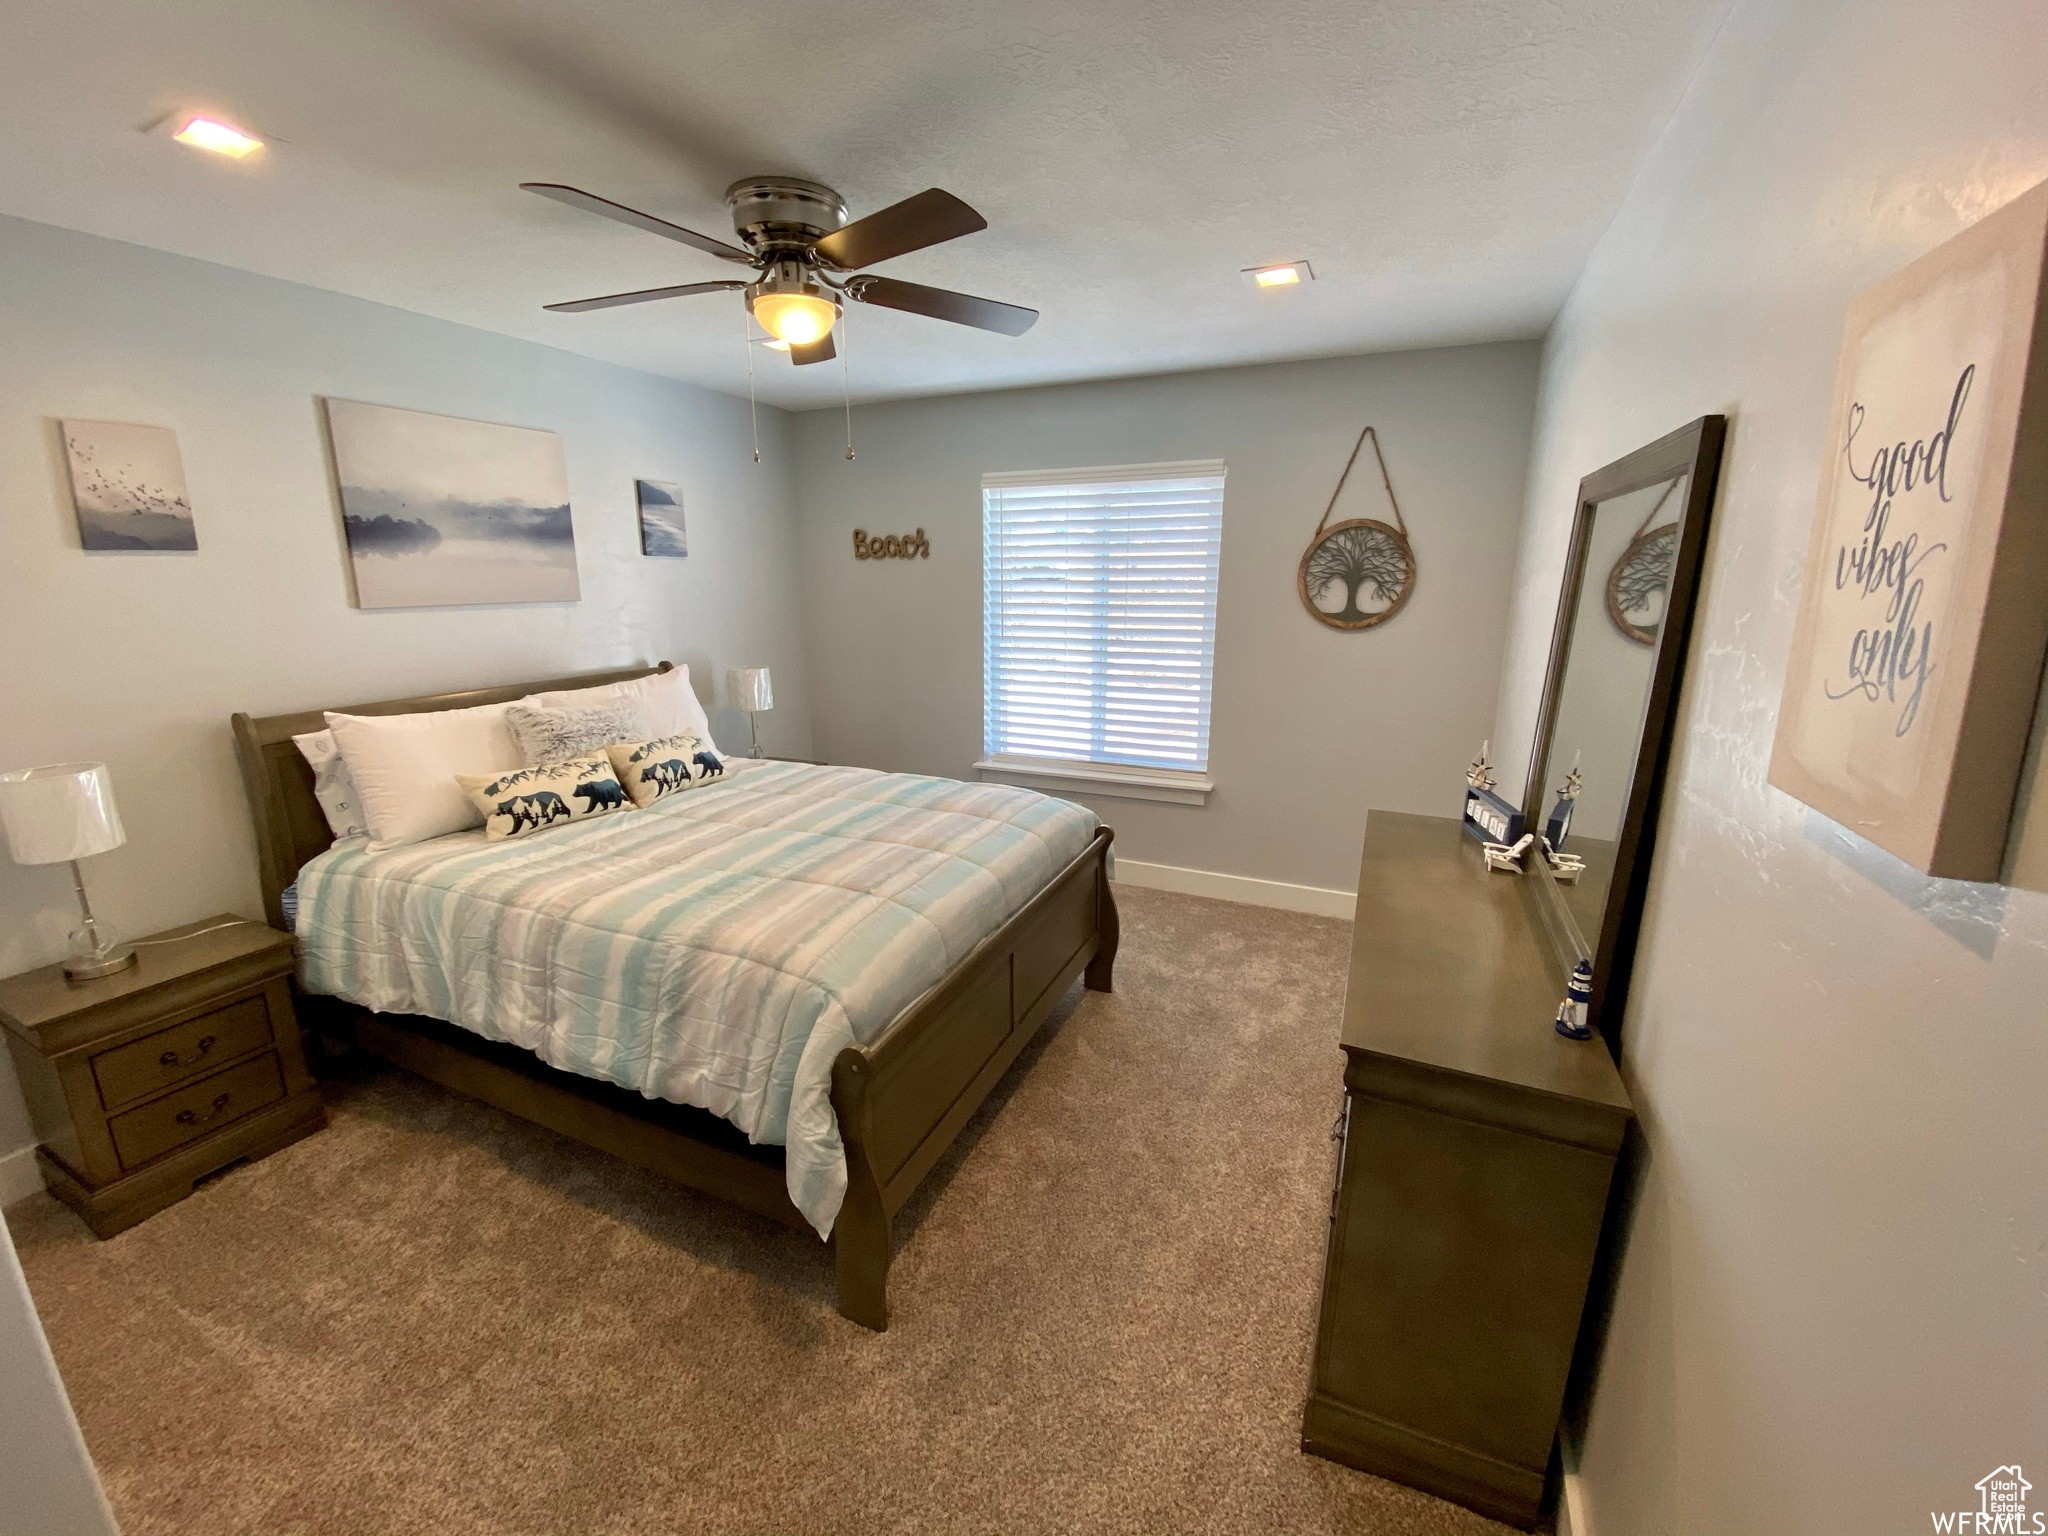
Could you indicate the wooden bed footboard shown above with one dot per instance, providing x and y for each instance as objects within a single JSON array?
[{"x": 902, "y": 1098}]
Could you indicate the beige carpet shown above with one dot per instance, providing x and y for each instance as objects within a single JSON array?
[{"x": 434, "y": 1318}]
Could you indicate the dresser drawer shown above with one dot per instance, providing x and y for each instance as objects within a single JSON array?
[
  {"x": 196, "y": 1110},
  {"x": 175, "y": 1055}
]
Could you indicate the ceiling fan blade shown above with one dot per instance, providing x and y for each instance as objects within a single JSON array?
[
  {"x": 910, "y": 225},
  {"x": 604, "y": 207},
  {"x": 819, "y": 351},
  {"x": 640, "y": 296},
  {"x": 944, "y": 304}
]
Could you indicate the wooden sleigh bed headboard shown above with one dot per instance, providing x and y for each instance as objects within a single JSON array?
[{"x": 290, "y": 828}]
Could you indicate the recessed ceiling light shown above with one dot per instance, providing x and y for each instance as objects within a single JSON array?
[
  {"x": 216, "y": 137},
  {"x": 1288, "y": 274}
]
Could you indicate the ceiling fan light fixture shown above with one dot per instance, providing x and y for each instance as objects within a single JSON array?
[
  {"x": 797, "y": 315},
  {"x": 796, "y": 232}
]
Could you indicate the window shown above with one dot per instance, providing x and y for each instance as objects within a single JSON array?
[{"x": 1099, "y": 626}]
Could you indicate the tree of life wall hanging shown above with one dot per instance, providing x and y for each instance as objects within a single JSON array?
[
  {"x": 1357, "y": 573},
  {"x": 1639, "y": 585}
]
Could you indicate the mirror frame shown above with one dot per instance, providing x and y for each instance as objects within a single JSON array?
[{"x": 1693, "y": 450}]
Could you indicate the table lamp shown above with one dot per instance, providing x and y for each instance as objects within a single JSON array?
[
  {"x": 59, "y": 815},
  {"x": 750, "y": 690}
]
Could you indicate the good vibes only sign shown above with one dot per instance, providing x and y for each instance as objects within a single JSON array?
[{"x": 1923, "y": 620}]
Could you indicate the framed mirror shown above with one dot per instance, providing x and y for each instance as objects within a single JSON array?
[{"x": 1603, "y": 735}]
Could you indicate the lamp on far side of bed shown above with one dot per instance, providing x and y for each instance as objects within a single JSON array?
[
  {"x": 750, "y": 690},
  {"x": 59, "y": 815}
]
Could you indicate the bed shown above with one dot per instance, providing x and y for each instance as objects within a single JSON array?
[{"x": 932, "y": 927}]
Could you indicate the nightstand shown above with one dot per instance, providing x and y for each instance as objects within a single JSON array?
[{"x": 146, "y": 1081}]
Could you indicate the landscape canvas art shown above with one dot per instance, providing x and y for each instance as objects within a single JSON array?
[
  {"x": 128, "y": 486},
  {"x": 661, "y": 518},
  {"x": 442, "y": 511}
]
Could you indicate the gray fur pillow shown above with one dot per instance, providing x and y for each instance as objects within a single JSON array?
[{"x": 556, "y": 735}]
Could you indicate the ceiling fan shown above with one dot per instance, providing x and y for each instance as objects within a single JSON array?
[{"x": 797, "y": 239}]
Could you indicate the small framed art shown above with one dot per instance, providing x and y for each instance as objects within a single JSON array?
[
  {"x": 661, "y": 518},
  {"x": 128, "y": 486}
]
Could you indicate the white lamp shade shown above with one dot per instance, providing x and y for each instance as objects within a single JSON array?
[
  {"x": 750, "y": 689},
  {"x": 58, "y": 813}
]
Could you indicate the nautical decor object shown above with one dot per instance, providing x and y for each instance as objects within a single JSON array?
[
  {"x": 1480, "y": 774},
  {"x": 1506, "y": 858},
  {"x": 1639, "y": 584},
  {"x": 1559, "y": 824},
  {"x": 1488, "y": 817},
  {"x": 896, "y": 546},
  {"x": 1565, "y": 868},
  {"x": 1358, "y": 573},
  {"x": 1916, "y": 655},
  {"x": 1578, "y": 996}
]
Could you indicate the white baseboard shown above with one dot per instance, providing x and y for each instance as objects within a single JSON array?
[
  {"x": 18, "y": 1176},
  {"x": 1571, "y": 1494},
  {"x": 1320, "y": 900}
]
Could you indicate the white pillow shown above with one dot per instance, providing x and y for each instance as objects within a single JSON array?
[
  {"x": 405, "y": 766},
  {"x": 666, "y": 702},
  {"x": 333, "y": 786}
]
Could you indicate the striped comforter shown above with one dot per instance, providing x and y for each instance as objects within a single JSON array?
[{"x": 718, "y": 949}]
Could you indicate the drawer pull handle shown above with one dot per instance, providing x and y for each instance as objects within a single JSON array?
[
  {"x": 172, "y": 1058},
  {"x": 193, "y": 1117}
]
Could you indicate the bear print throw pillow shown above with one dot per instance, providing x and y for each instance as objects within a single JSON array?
[
  {"x": 651, "y": 769},
  {"x": 529, "y": 800}
]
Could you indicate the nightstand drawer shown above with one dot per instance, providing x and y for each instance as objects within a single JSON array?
[
  {"x": 171, "y": 1056},
  {"x": 204, "y": 1107}
]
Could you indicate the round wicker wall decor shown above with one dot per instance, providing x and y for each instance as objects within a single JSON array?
[
  {"x": 1639, "y": 583},
  {"x": 1361, "y": 572}
]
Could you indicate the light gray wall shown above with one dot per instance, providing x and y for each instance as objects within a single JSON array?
[
  {"x": 139, "y": 659},
  {"x": 1310, "y": 726},
  {"x": 1832, "y": 1311}
]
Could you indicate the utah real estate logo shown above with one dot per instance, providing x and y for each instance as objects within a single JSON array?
[{"x": 2002, "y": 1507}]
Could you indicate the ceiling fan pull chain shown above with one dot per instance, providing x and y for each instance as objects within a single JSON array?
[
  {"x": 747, "y": 346},
  {"x": 845, "y": 382}
]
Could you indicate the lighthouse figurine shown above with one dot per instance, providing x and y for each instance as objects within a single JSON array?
[
  {"x": 1578, "y": 996},
  {"x": 1559, "y": 826}
]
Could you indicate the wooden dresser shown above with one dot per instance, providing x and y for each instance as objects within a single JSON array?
[
  {"x": 145, "y": 1081},
  {"x": 1477, "y": 1150}
]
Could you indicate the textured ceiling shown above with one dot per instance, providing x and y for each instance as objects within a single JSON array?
[{"x": 1444, "y": 167}]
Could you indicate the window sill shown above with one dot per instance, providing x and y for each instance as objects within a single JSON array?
[{"x": 1053, "y": 775}]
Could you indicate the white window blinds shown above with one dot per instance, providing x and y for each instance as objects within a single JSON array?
[{"x": 1099, "y": 613}]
